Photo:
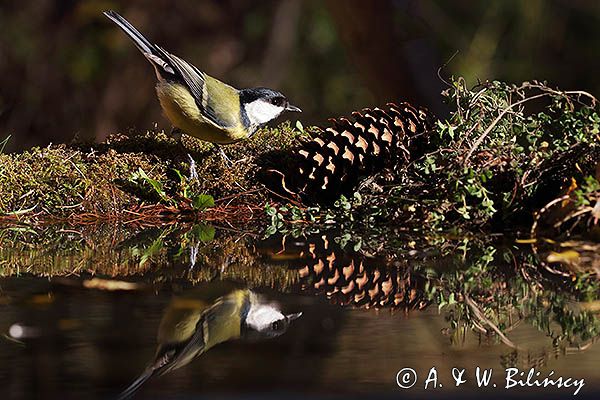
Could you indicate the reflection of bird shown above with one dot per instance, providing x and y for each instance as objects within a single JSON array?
[
  {"x": 210, "y": 314},
  {"x": 200, "y": 105}
]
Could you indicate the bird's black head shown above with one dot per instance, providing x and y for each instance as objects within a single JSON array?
[{"x": 262, "y": 105}]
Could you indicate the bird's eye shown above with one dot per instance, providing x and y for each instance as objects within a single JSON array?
[
  {"x": 278, "y": 101},
  {"x": 277, "y": 325}
]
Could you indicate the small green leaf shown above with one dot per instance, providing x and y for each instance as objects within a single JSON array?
[
  {"x": 271, "y": 230},
  {"x": 451, "y": 299},
  {"x": 179, "y": 175},
  {"x": 204, "y": 233},
  {"x": 156, "y": 185},
  {"x": 155, "y": 248},
  {"x": 203, "y": 201},
  {"x": 270, "y": 210}
]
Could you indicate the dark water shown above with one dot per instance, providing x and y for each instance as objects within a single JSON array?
[{"x": 67, "y": 338}]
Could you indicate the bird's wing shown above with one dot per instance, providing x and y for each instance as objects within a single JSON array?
[
  {"x": 202, "y": 340},
  {"x": 216, "y": 100},
  {"x": 228, "y": 327}
]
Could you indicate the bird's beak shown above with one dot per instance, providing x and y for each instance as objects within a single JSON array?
[
  {"x": 293, "y": 108},
  {"x": 291, "y": 317}
]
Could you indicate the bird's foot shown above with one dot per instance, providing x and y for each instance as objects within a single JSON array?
[{"x": 226, "y": 159}]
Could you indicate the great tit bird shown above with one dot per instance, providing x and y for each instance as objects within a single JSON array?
[
  {"x": 210, "y": 314},
  {"x": 200, "y": 105}
]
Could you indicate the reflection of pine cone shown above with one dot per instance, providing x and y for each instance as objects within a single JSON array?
[
  {"x": 358, "y": 285},
  {"x": 333, "y": 162},
  {"x": 348, "y": 278}
]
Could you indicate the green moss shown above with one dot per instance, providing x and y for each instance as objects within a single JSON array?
[{"x": 66, "y": 180}]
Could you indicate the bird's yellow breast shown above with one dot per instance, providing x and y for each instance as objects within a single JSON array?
[{"x": 180, "y": 108}]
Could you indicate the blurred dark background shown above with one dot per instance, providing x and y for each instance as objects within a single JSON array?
[{"x": 66, "y": 71}]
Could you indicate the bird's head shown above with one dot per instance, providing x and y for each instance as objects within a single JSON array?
[
  {"x": 262, "y": 105},
  {"x": 267, "y": 321}
]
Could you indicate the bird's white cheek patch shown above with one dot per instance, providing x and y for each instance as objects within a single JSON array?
[
  {"x": 260, "y": 112},
  {"x": 260, "y": 317}
]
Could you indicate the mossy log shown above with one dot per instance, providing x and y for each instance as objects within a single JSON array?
[
  {"x": 150, "y": 175},
  {"x": 484, "y": 167},
  {"x": 131, "y": 175}
]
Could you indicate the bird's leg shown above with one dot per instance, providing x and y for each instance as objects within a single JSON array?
[
  {"x": 193, "y": 254},
  {"x": 224, "y": 156},
  {"x": 175, "y": 133},
  {"x": 193, "y": 172},
  {"x": 228, "y": 162}
]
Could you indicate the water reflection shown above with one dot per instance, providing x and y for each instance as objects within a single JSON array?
[
  {"x": 211, "y": 313},
  {"x": 348, "y": 277},
  {"x": 462, "y": 301}
]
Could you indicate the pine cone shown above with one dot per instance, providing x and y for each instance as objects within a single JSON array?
[{"x": 334, "y": 161}]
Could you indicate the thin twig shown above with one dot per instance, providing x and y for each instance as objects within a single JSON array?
[
  {"x": 495, "y": 122},
  {"x": 480, "y": 316}
]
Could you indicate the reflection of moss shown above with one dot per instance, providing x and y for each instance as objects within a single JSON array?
[
  {"x": 153, "y": 254},
  {"x": 62, "y": 180},
  {"x": 497, "y": 289},
  {"x": 62, "y": 250},
  {"x": 481, "y": 286}
]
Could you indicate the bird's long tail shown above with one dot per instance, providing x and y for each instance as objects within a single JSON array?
[
  {"x": 135, "y": 386},
  {"x": 140, "y": 41}
]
